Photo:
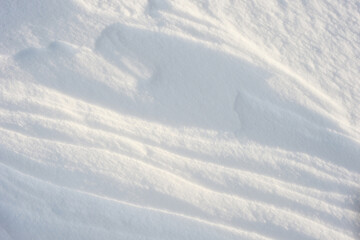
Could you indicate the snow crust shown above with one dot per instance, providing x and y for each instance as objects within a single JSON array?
[{"x": 169, "y": 119}]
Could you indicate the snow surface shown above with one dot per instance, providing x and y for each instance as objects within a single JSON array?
[{"x": 181, "y": 119}]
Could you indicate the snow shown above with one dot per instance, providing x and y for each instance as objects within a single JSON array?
[{"x": 169, "y": 119}]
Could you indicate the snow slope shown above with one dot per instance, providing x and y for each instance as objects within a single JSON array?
[{"x": 159, "y": 119}]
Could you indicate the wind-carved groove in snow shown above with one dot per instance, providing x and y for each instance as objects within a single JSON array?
[{"x": 196, "y": 188}]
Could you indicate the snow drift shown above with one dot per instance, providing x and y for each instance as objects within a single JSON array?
[{"x": 179, "y": 120}]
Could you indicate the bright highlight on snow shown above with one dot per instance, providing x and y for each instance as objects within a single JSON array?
[{"x": 179, "y": 119}]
